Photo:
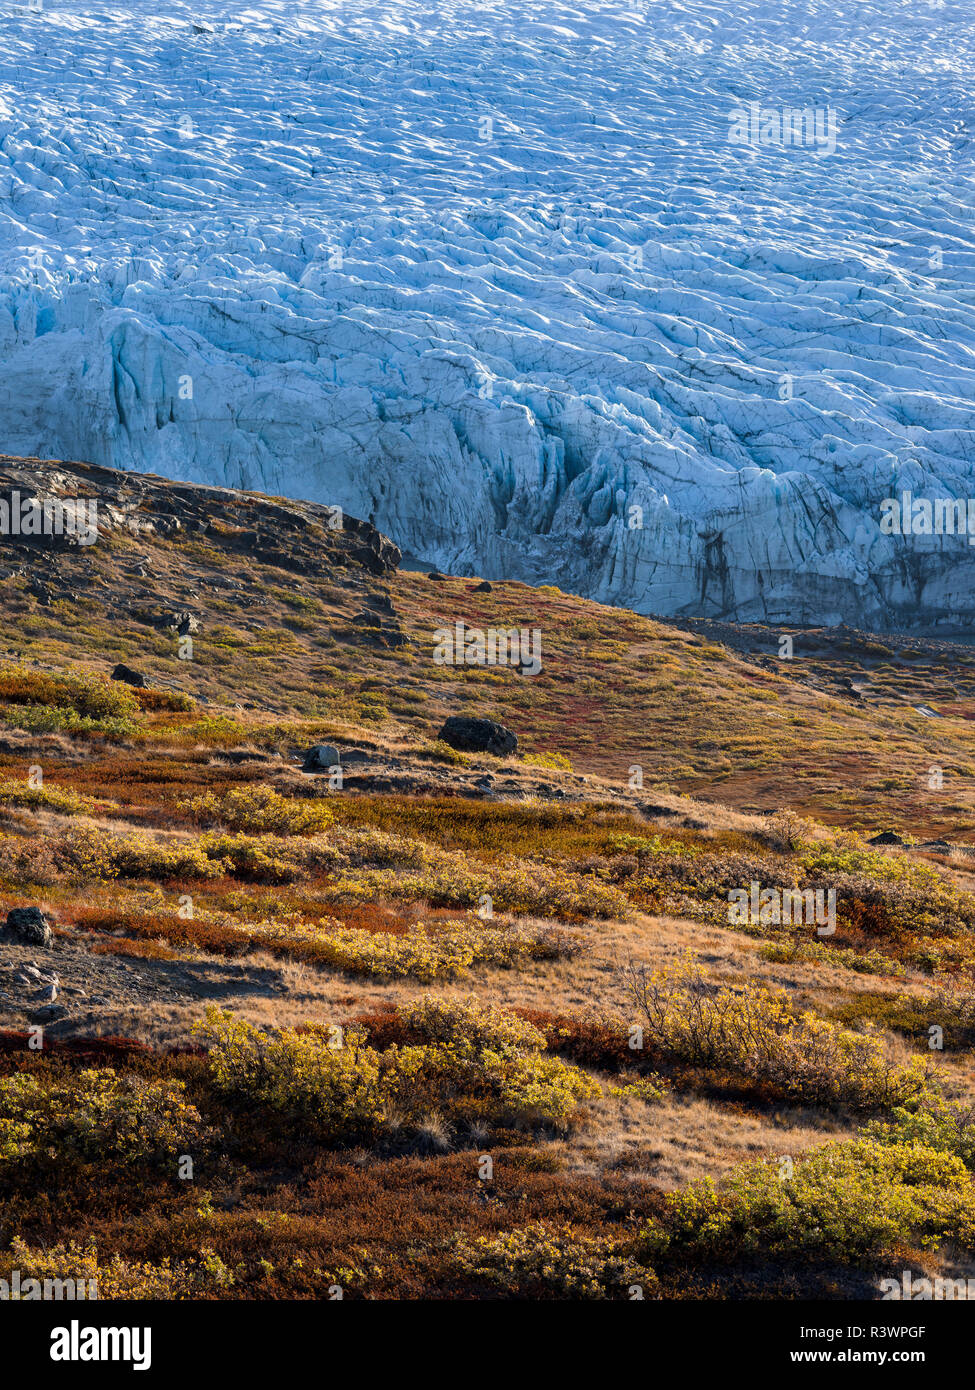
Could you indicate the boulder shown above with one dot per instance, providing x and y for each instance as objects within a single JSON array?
[
  {"x": 380, "y": 601},
  {"x": 469, "y": 735},
  {"x": 484, "y": 587},
  {"x": 29, "y": 925},
  {"x": 186, "y": 622},
  {"x": 180, "y": 620},
  {"x": 322, "y": 758},
  {"x": 126, "y": 673},
  {"x": 886, "y": 837}
]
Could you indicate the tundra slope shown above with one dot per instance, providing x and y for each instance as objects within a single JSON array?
[
  {"x": 491, "y": 278},
  {"x": 294, "y": 619},
  {"x": 261, "y": 629}
]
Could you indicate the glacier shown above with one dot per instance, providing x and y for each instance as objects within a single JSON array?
[{"x": 495, "y": 278}]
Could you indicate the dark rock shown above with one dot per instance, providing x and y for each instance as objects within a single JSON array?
[
  {"x": 181, "y": 621},
  {"x": 470, "y": 735},
  {"x": 483, "y": 588},
  {"x": 370, "y": 630},
  {"x": 650, "y": 808},
  {"x": 886, "y": 837},
  {"x": 380, "y": 601},
  {"x": 126, "y": 673},
  {"x": 435, "y": 574},
  {"x": 29, "y": 925},
  {"x": 322, "y": 758},
  {"x": 49, "y": 1013},
  {"x": 186, "y": 622},
  {"x": 369, "y": 547},
  {"x": 41, "y": 592}
]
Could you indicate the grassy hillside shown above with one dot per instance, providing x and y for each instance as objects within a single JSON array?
[
  {"x": 835, "y": 731},
  {"x": 464, "y": 1026}
]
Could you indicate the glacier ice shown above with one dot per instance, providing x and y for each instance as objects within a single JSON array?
[{"x": 494, "y": 277}]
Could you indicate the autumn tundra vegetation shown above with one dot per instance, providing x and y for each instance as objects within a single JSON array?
[{"x": 432, "y": 1023}]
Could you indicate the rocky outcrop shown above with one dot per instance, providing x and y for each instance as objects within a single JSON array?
[{"x": 305, "y": 537}]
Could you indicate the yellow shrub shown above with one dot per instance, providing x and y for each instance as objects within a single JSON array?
[
  {"x": 557, "y": 761},
  {"x": 753, "y": 1031},
  {"x": 256, "y": 860},
  {"x": 340, "y": 1086},
  {"x": 87, "y": 852},
  {"x": 260, "y": 810},
  {"x": 118, "y": 1277},
  {"x": 480, "y": 1062},
  {"x": 471, "y": 1025},
  {"x": 13, "y": 793},
  {"x": 842, "y": 1202},
  {"x": 455, "y": 880},
  {"x": 98, "y": 1115},
  {"x": 418, "y": 953},
  {"x": 337, "y": 1089},
  {"x": 85, "y": 692},
  {"x": 442, "y": 752},
  {"x": 542, "y": 1260}
]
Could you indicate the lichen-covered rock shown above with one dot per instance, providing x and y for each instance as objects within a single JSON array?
[{"x": 28, "y": 925}]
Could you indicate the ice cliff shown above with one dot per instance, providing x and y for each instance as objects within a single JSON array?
[{"x": 495, "y": 278}]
